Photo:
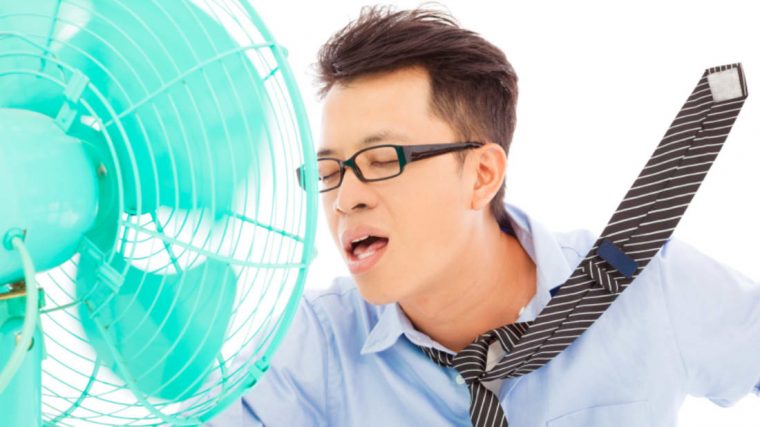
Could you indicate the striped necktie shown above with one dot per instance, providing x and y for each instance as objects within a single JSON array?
[{"x": 642, "y": 223}]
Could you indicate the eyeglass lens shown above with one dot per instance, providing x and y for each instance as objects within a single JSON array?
[{"x": 374, "y": 163}]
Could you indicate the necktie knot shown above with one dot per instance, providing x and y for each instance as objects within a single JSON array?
[{"x": 470, "y": 362}]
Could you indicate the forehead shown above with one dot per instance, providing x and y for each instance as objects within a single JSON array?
[{"x": 391, "y": 108}]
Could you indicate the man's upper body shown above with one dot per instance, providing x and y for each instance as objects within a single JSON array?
[
  {"x": 417, "y": 122},
  {"x": 673, "y": 332}
]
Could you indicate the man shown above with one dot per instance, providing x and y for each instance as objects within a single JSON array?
[{"x": 437, "y": 259}]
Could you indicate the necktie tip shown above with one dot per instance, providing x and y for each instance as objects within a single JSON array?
[{"x": 727, "y": 82}]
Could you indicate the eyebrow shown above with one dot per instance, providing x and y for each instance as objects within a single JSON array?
[{"x": 382, "y": 136}]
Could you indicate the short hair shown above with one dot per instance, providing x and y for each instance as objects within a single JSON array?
[{"x": 473, "y": 86}]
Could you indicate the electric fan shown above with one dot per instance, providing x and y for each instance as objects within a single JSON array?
[{"x": 147, "y": 150}]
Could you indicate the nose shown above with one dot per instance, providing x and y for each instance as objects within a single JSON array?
[{"x": 352, "y": 194}]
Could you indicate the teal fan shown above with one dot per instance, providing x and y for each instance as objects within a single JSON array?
[{"x": 154, "y": 239}]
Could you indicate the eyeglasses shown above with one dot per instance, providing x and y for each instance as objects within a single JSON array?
[{"x": 378, "y": 163}]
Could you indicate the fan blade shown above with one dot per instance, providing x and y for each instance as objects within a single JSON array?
[{"x": 167, "y": 330}]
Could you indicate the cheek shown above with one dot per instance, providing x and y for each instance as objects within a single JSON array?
[{"x": 428, "y": 213}]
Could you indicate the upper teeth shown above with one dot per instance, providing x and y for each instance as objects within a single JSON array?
[{"x": 360, "y": 239}]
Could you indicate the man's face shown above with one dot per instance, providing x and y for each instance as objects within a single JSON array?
[{"x": 423, "y": 213}]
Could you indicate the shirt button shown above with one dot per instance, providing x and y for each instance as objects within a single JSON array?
[{"x": 459, "y": 380}]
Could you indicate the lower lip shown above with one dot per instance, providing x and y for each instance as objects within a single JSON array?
[{"x": 358, "y": 266}]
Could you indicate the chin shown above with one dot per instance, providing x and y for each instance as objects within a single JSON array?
[{"x": 372, "y": 294}]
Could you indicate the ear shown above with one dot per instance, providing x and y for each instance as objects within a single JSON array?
[{"x": 490, "y": 169}]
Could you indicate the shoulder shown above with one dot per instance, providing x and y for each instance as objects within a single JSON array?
[
  {"x": 341, "y": 311},
  {"x": 340, "y": 289},
  {"x": 686, "y": 270},
  {"x": 681, "y": 275},
  {"x": 675, "y": 254},
  {"x": 342, "y": 295}
]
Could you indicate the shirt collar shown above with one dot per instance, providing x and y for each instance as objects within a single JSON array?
[{"x": 552, "y": 271}]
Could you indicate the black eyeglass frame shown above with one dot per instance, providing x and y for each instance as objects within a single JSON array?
[{"x": 405, "y": 153}]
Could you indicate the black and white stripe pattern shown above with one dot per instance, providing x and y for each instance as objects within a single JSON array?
[
  {"x": 643, "y": 222},
  {"x": 485, "y": 409}
]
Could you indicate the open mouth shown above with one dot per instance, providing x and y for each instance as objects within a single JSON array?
[{"x": 365, "y": 247}]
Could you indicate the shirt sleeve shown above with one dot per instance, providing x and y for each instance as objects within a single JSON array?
[
  {"x": 293, "y": 391},
  {"x": 715, "y": 313}
]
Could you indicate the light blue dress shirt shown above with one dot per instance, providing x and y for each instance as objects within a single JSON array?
[{"x": 687, "y": 325}]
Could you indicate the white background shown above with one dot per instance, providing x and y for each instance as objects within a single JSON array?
[{"x": 599, "y": 86}]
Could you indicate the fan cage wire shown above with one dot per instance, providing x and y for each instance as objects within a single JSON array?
[{"x": 278, "y": 71}]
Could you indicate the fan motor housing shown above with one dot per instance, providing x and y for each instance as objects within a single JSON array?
[{"x": 48, "y": 189}]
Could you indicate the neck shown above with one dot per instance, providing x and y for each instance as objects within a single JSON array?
[{"x": 493, "y": 279}]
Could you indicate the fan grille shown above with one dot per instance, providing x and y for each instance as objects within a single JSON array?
[{"x": 182, "y": 290}]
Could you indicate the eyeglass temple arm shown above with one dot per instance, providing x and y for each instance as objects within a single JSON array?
[{"x": 419, "y": 152}]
